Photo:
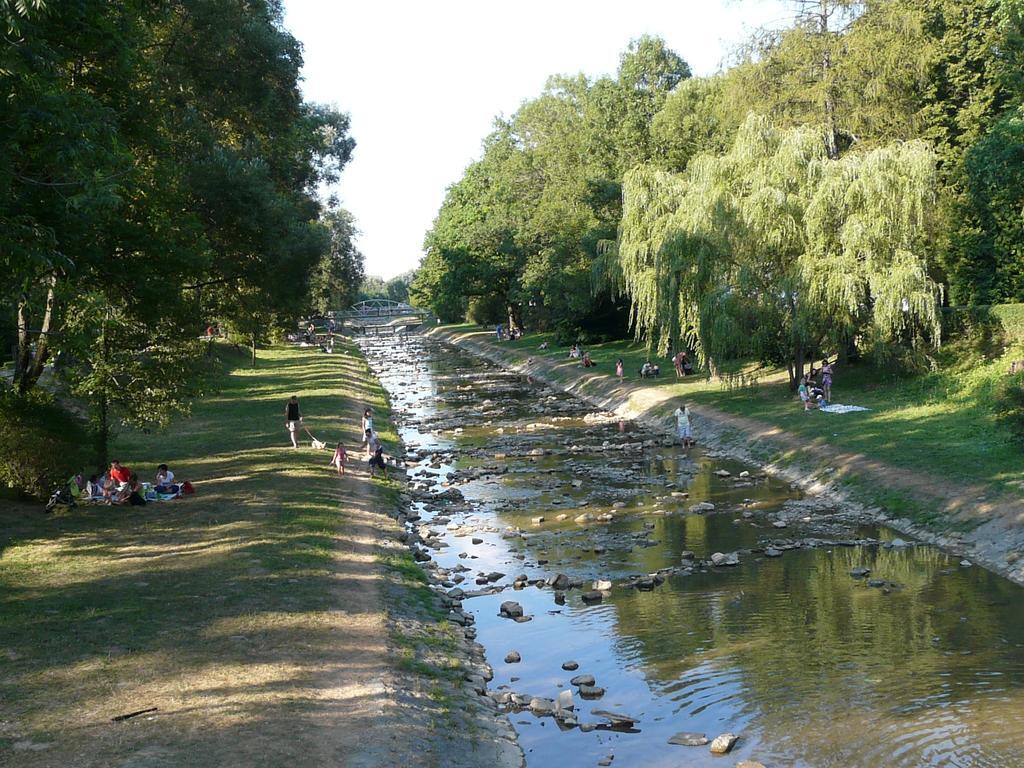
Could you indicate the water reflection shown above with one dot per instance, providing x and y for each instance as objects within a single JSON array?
[{"x": 810, "y": 666}]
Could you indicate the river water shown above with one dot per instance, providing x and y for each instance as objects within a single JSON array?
[{"x": 806, "y": 664}]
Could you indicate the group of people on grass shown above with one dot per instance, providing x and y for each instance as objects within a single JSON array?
[
  {"x": 512, "y": 333},
  {"x": 371, "y": 442},
  {"x": 815, "y": 393},
  {"x": 680, "y": 360},
  {"x": 120, "y": 485}
]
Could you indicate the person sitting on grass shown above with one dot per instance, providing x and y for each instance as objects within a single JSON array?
[
  {"x": 118, "y": 473},
  {"x": 339, "y": 459},
  {"x": 587, "y": 362},
  {"x": 93, "y": 488},
  {"x": 375, "y": 454},
  {"x": 574, "y": 352},
  {"x": 649, "y": 369},
  {"x": 165, "y": 480}
]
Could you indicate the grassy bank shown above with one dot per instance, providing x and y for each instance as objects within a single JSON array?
[
  {"x": 941, "y": 423},
  {"x": 247, "y": 614}
]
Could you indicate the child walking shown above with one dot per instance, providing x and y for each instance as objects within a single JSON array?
[
  {"x": 618, "y": 368},
  {"x": 339, "y": 459}
]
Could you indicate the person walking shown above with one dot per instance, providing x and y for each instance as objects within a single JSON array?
[
  {"x": 339, "y": 459},
  {"x": 374, "y": 453},
  {"x": 684, "y": 431},
  {"x": 367, "y": 420},
  {"x": 293, "y": 419},
  {"x": 619, "y": 369}
]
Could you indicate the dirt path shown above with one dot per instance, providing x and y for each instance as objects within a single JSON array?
[{"x": 964, "y": 518}]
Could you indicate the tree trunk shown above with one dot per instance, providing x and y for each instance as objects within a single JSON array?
[
  {"x": 24, "y": 340},
  {"x": 103, "y": 431},
  {"x": 254, "y": 349},
  {"x": 831, "y": 129},
  {"x": 30, "y": 377},
  {"x": 103, "y": 407}
]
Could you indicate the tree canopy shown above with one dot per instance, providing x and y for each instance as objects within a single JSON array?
[{"x": 158, "y": 171}]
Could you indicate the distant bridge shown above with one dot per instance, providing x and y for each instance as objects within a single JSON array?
[{"x": 372, "y": 315}]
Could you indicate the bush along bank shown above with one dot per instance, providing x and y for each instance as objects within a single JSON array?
[{"x": 968, "y": 521}]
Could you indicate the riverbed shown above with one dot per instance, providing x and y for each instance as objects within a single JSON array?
[{"x": 703, "y": 596}]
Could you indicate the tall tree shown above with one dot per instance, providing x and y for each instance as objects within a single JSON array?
[
  {"x": 773, "y": 247},
  {"x": 338, "y": 275}
]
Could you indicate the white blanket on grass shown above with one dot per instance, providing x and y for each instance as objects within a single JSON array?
[{"x": 840, "y": 408}]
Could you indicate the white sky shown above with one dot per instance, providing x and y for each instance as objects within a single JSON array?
[{"x": 423, "y": 82}]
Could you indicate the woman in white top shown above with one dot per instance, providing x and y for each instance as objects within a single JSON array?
[{"x": 368, "y": 420}]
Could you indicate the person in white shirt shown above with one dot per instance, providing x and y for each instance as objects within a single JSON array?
[
  {"x": 164, "y": 479},
  {"x": 683, "y": 429}
]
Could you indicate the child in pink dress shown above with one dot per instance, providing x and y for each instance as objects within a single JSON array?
[{"x": 339, "y": 459}]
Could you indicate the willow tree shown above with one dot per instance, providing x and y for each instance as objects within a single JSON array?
[{"x": 777, "y": 251}]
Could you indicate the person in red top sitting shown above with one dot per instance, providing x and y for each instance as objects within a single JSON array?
[{"x": 119, "y": 474}]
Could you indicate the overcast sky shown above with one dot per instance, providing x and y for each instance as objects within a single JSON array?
[{"x": 423, "y": 83}]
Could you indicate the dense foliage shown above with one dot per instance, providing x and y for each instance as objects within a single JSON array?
[
  {"x": 158, "y": 172},
  {"x": 847, "y": 175}
]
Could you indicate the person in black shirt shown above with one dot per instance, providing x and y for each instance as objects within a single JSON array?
[{"x": 293, "y": 420}]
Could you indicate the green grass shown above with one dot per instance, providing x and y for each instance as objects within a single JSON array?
[
  {"x": 221, "y": 609},
  {"x": 941, "y": 423}
]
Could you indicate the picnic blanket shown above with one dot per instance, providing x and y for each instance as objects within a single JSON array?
[{"x": 840, "y": 408}]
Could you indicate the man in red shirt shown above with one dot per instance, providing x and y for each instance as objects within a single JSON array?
[{"x": 119, "y": 474}]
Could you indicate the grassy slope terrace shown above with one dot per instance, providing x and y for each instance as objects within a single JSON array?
[
  {"x": 249, "y": 614},
  {"x": 937, "y": 431}
]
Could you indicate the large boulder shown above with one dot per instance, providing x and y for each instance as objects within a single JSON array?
[
  {"x": 510, "y": 609},
  {"x": 724, "y": 743}
]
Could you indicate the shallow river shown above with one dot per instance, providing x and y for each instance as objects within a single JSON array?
[{"x": 808, "y": 665}]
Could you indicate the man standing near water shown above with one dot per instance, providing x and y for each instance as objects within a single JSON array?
[
  {"x": 683, "y": 430},
  {"x": 293, "y": 420}
]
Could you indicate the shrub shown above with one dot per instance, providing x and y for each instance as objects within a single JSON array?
[
  {"x": 41, "y": 444},
  {"x": 1008, "y": 404},
  {"x": 1012, "y": 318}
]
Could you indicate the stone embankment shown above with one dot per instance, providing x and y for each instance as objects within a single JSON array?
[{"x": 966, "y": 521}]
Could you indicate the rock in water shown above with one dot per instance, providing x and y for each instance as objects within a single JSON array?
[
  {"x": 583, "y": 680},
  {"x": 703, "y": 506},
  {"x": 510, "y": 609},
  {"x": 541, "y": 706},
  {"x": 513, "y": 657},
  {"x": 601, "y": 584},
  {"x": 749, "y": 764},
  {"x": 591, "y": 691},
  {"x": 724, "y": 743},
  {"x": 772, "y": 552},
  {"x": 590, "y": 598},
  {"x": 561, "y": 581},
  {"x": 723, "y": 472},
  {"x": 687, "y": 739},
  {"x": 859, "y": 572},
  {"x": 615, "y": 718},
  {"x": 570, "y": 666}
]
